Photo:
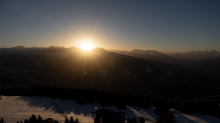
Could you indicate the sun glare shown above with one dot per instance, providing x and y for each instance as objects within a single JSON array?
[{"x": 86, "y": 46}]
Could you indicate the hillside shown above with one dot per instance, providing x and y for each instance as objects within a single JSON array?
[
  {"x": 18, "y": 108},
  {"x": 100, "y": 69}
]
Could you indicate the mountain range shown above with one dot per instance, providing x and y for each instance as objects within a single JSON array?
[{"x": 137, "y": 72}]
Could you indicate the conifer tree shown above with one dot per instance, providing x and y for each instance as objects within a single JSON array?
[
  {"x": 71, "y": 120},
  {"x": 66, "y": 121},
  {"x": 26, "y": 121},
  {"x": 33, "y": 119},
  {"x": 76, "y": 120},
  {"x": 39, "y": 119},
  {"x": 141, "y": 120},
  {"x": 123, "y": 118},
  {"x": 2, "y": 120}
]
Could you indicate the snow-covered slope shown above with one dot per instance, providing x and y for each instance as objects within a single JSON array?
[
  {"x": 194, "y": 118},
  {"x": 16, "y": 108}
]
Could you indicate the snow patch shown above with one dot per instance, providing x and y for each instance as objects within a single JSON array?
[
  {"x": 15, "y": 77},
  {"x": 168, "y": 73},
  {"x": 103, "y": 72},
  {"x": 133, "y": 71},
  {"x": 37, "y": 63},
  {"x": 186, "y": 76},
  {"x": 163, "y": 76},
  {"x": 26, "y": 71},
  {"x": 30, "y": 56},
  {"x": 30, "y": 79},
  {"x": 9, "y": 63},
  {"x": 148, "y": 70}
]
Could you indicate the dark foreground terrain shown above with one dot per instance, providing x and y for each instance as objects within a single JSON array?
[{"x": 103, "y": 70}]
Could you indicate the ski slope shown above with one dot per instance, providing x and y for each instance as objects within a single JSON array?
[{"x": 17, "y": 108}]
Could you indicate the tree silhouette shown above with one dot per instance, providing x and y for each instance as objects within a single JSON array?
[
  {"x": 66, "y": 121},
  {"x": 141, "y": 120},
  {"x": 26, "y": 121},
  {"x": 2, "y": 120},
  {"x": 39, "y": 119},
  {"x": 71, "y": 120},
  {"x": 33, "y": 119}
]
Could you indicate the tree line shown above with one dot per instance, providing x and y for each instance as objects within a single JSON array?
[{"x": 82, "y": 96}]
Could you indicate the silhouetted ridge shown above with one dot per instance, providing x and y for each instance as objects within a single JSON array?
[
  {"x": 195, "y": 55},
  {"x": 145, "y": 52},
  {"x": 18, "y": 47}
]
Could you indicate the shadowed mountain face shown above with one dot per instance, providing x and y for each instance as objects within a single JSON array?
[
  {"x": 150, "y": 55},
  {"x": 196, "y": 55},
  {"x": 209, "y": 66},
  {"x": 103, "y": 70},
  {"x": 203, "y": 62}
]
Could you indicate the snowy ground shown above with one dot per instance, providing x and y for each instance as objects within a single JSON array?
[{"x": 16, "y": 108}]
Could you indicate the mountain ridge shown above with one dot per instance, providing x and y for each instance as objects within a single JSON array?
[{"x": 100, "y": 69}]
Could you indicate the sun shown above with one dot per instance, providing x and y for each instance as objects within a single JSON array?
[{"x": 86, "y": 46}]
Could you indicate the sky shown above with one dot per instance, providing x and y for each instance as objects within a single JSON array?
[{"x": 165, "y": 26}]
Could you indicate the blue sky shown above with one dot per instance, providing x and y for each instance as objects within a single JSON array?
[{"x": 166, "y": 26}]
